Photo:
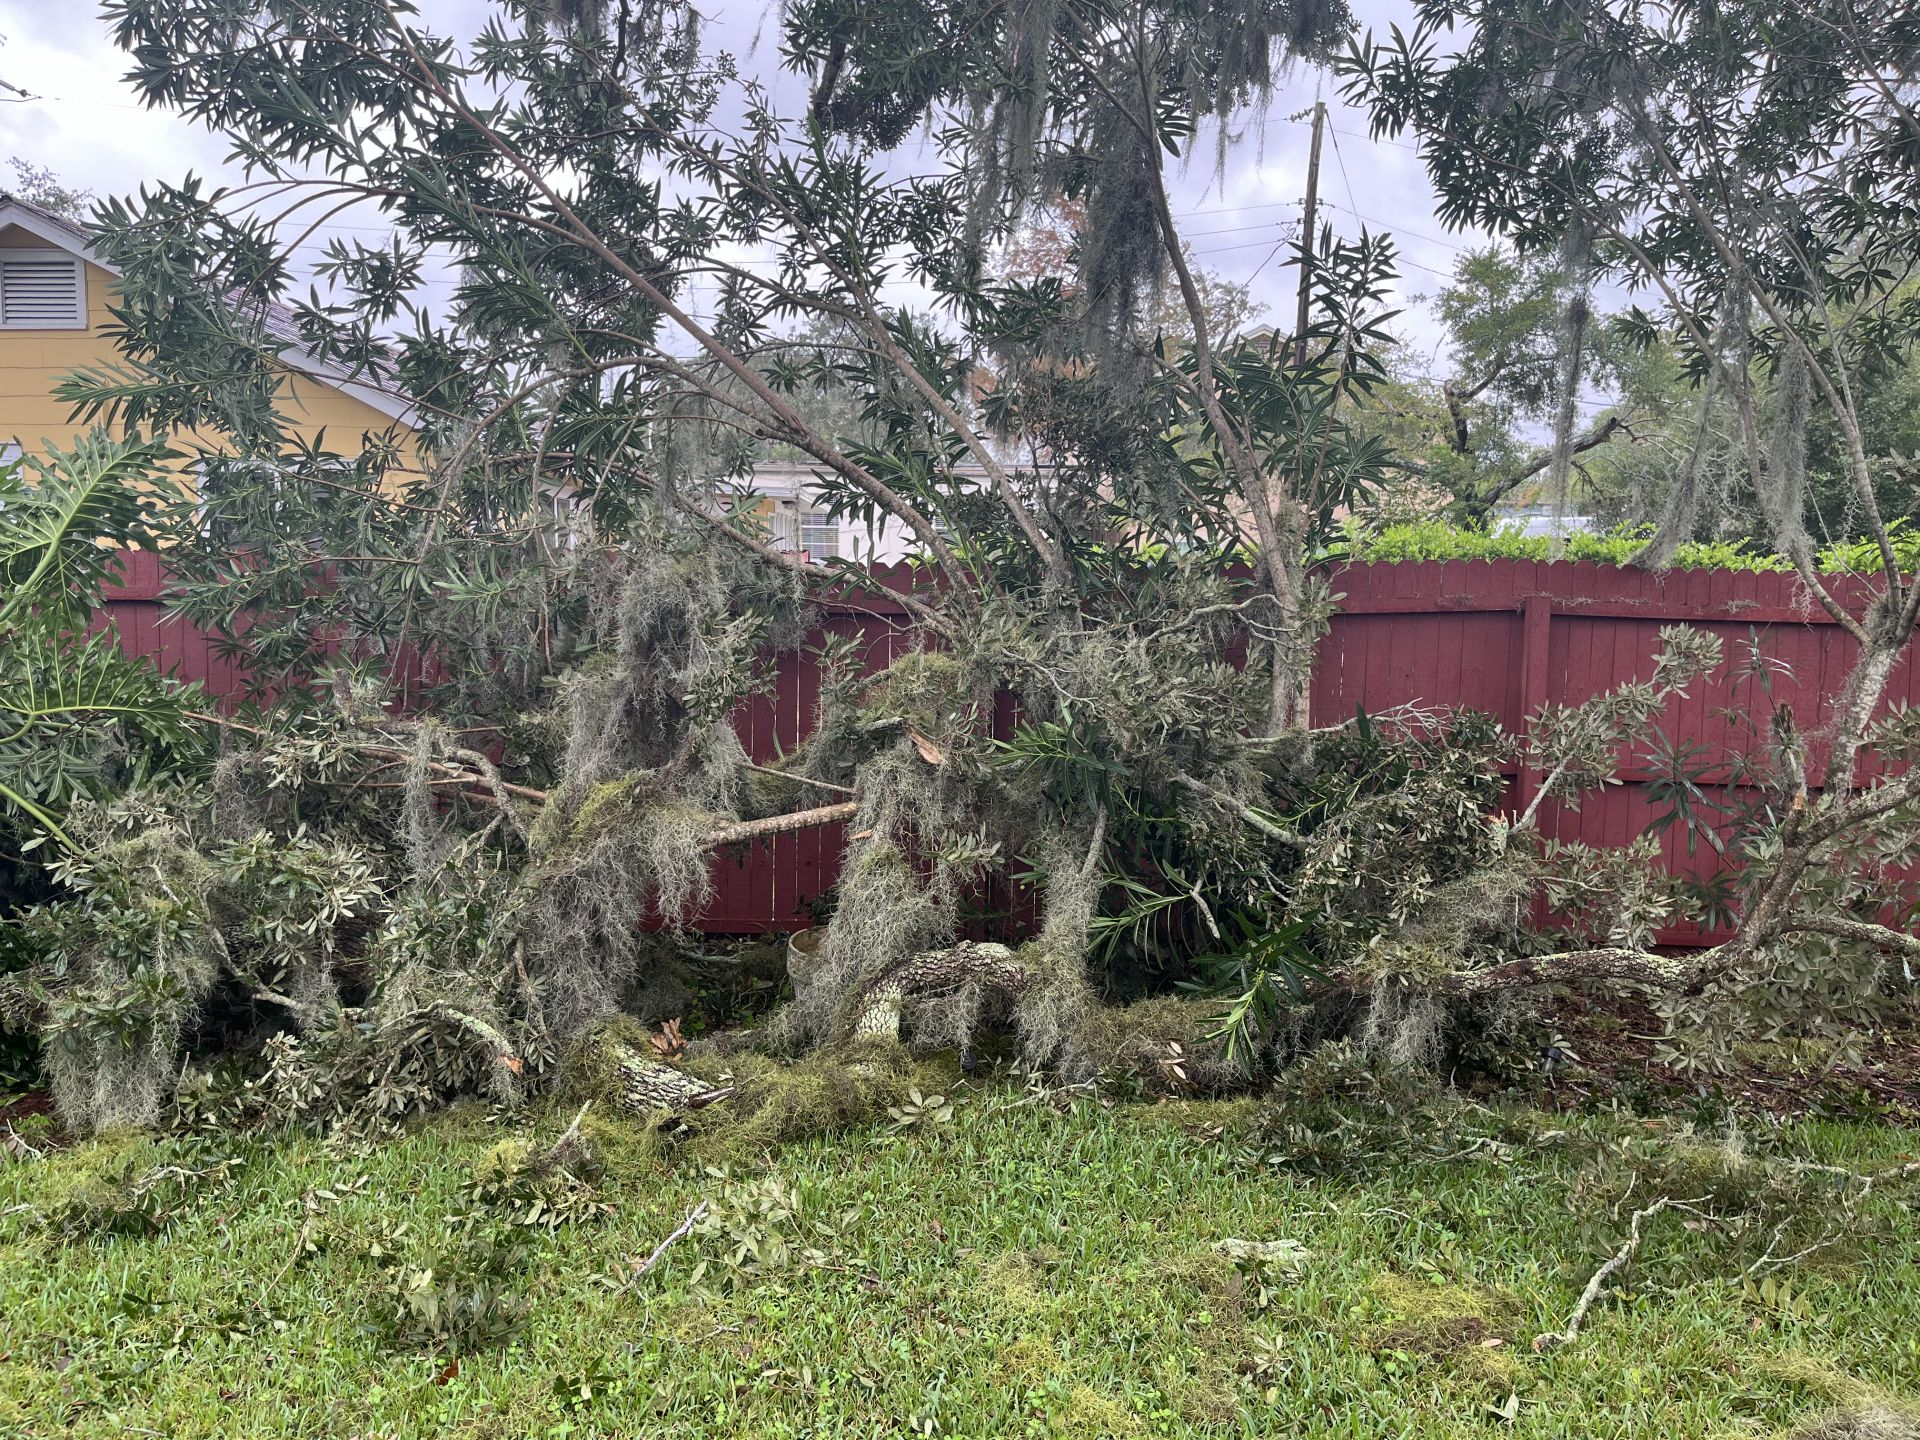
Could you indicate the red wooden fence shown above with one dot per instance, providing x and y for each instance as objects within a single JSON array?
[{"x": 1497, "y": 636}]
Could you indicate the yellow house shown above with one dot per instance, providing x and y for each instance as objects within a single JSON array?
[{"x": 55, "y": 291}]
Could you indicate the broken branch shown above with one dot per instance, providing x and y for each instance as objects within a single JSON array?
[
  {"x": 740, "y": 830},
  {"x": 1614, "y": 1264},
  {"x": 680, "y": 1232}
]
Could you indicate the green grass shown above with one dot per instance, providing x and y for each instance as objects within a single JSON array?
[{"x": 1017, "y": 1271}]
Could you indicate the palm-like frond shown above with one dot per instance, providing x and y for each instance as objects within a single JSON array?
[
  {"x": 68, "y": 701},
  {"x": 62, "y": 704},
  {"x": 60, "y": 520}
]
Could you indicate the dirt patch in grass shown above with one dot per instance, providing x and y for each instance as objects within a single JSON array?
[
  {"x": 1855, "y": 1409},
  {"x": 1875, "y": 1422},
  {"x": 34, "y": 1102},
  {"x": 1466, "y": 1326}
]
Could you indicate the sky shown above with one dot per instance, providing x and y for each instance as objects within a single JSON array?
[{"x": 81, "y": 121}]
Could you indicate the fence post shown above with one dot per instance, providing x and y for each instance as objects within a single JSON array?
[{"x": 1536, "y": 625}]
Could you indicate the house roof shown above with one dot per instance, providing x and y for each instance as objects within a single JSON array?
[
  {"x": 279, "y": 322},
  {"x": 782, "y": 479}
]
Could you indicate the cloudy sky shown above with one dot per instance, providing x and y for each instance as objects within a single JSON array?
[{"x": 80, "y": 121}]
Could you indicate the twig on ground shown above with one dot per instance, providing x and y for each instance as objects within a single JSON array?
[
  {"x": 1867, "y": 1181},
  {"x": 1831, "y": 1235},
  {"x": 1768, "y": 1261},
  {"x": 556, "y": 1156},
  {"x": 1480, "y": 1143},
  {"x": 14, "y": 1143},
  {"x": 679, "y": 1233},
  {"x": 1615, "y": 1262},
  {"x": 1886, "y": 1177}
]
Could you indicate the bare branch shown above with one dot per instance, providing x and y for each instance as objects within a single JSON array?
[
  {"x": 1614, "y": 1264},
  {"x": 679, "y": 1232}
]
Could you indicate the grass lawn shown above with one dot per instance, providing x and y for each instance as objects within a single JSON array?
[{"x": 1020, "y": 1269}]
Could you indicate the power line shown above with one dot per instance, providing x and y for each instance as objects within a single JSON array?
[
  {"x": 76, "y": 100},
  {"x": 1399, "y": 229},
  {"x": 1340, "y": 161},
  {"x": 1236, "y": 229},
  {"x": 1244, "y": 245},
  {"x": 1273, "y": 120},
  {"x": 1266, "y": 262},
  {"x": 1443, "y": 274}
]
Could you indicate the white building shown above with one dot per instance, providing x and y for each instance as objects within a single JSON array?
[{"x": 799, "y": 520}]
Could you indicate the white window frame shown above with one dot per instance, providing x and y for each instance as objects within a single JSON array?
[
  {"x": 812, "y": 522},
  {"x": 783, "y": 527},
  {"x": 203, "y": 516},
  {"x": 79, "y": 318}
]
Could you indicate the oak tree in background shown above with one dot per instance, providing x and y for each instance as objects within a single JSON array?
[{"x": 1464, "y": 431}]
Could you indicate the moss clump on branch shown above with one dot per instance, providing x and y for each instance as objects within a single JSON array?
[
  {"x": 892, "y": 904},
  {"x": 166, "y": 925},
  {"x": 608, "y": 805},
  {"x": 844, "y": 1087},
  {"x": 737, "y": 1105},
  {"x": 887, "y": 963},
  {"x": 588, "y": 896},
  {"x": 925, "y": 689},
  {"x": 1059, "y": 996},
  {"x": 652, "y": 769},
  {"x": 1166, "y": 1042},
  {"x": 115, "y": 1018}
]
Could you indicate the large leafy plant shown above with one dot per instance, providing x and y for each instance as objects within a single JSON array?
[{"x": 75, "y": 712}]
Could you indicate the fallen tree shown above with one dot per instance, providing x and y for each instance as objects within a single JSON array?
[
  {"x": 1770, "y": 231},
  {"x": 577, "y": 600}
]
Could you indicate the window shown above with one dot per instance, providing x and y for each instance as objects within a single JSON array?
[
  {"x": 819, "y": 535},
  {"x": 783, "y": 529},
  {"x": 791, "y": 530},
  {"x": 42, "y": 290}
]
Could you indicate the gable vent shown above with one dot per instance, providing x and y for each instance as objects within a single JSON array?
[{"x": 41, "y": 290}]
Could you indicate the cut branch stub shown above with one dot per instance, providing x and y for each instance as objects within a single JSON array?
[
  {"x": 645, "y": 1084},
  {"x": 876, "y": 1007}
]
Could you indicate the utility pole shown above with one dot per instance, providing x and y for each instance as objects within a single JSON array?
[{"x": 1307, "y": 222}]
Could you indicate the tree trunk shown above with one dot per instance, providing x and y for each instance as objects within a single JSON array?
[
  {"x": 877, "y": 1008},
  {"x": 646, "y": 1084}
]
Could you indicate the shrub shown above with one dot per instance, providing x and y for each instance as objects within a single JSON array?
[{"x": 1438, "y": 540}]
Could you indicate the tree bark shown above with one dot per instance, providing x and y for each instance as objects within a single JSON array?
[
  {"x": 646, "y": 1084},
  {"x": 740, "y": 830},
  {"x": 876, "y": 1010}
]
